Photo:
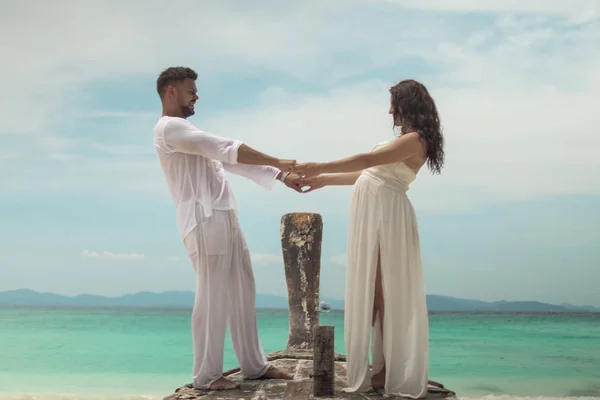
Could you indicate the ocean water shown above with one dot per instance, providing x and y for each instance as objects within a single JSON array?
[{"x": 145, "y": 354}]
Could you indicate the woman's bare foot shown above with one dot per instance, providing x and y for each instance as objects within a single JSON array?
[
  {"x": 276, "y": 373},
  {"x": 224, "y": 384},
  {"x": 378, "y": 380}
]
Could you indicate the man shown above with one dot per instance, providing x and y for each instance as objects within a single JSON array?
[{"x": 194, "y": 162}]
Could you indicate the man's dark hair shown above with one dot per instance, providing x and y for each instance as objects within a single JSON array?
[{"x": 173, "y": 75}]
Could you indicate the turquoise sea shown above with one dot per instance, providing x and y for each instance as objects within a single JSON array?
[{"x": 146, "y": 353}]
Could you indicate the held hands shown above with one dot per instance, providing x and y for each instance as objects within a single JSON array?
[
  {"x": 294, "y": 181},
  {"x": 305, "y": 170},
  {"x": 308, "y": 169},
  {"x": 310, "y": 176},
  {"x": 301, "y": 175},
  {"x": 298, "y": 183}
]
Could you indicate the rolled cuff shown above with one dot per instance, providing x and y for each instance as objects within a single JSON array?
[
  {"x": 232, "y": 155},
  {"x": 269, "y": 181}
]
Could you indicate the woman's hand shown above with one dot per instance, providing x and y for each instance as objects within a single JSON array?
[{"x": 313, "y": 183}]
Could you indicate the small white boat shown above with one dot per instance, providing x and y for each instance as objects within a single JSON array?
[{"x": 324, "y": 307}]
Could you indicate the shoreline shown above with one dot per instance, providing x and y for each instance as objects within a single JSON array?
[
  {"x": 160, "y": 396},
  {"x": 135, "y": 387},
  {"x": 282, "y": 310}
]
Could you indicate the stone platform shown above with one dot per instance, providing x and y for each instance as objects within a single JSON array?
[{"x": 300, "y": 388}]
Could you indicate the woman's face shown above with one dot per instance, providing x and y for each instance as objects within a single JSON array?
[{"x": 397, "y": 118}]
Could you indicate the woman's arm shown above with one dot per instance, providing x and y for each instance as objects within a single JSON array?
[
  {"x": 403, "y": 148},
  {"x": 346, "y": 178},
  {"x": 319, "y": 181}
]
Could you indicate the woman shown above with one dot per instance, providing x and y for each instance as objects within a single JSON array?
[{"x": 384, "y": 284}]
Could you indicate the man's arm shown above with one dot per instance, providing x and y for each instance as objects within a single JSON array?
[
  {"x": 263, "y": 175},
  {"x": 247, "y": 155},
  {"x": 182, "y": 136}
]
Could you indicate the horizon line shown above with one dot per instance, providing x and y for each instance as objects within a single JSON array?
[{"x": 286, "y": 296}]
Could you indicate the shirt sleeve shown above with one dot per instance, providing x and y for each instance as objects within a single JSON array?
[
  {"x": 184, "y": 137},
  {"x": 263, "y": 175}
]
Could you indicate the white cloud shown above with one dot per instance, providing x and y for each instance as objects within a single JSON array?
[
  {"x": 123, "y": 150},
  {"x": 339, "y": 259},
  {"x": 115, "y": 114},
  {"x": 572, "y": 7},
  {"x": 107, "y": 255},
  {"x": 503, "y": 143},
  {"x": 517, "y": 84},
  {"x": 8, "y": 156},
  {"x": 56, "y": 142},
  {"x": 516, "y": 97},
  {"x": 64, "y": 157}
]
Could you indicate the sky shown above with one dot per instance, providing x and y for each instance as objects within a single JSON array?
[{"x": 84, "y": 207}]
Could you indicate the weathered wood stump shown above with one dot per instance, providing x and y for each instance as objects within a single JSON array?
[
  {"x": 323, "y": 362},
  {"x": 301, "y": 235}
]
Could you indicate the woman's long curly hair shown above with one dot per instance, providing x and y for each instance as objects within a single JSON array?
[{"x": 415, "y": 110}]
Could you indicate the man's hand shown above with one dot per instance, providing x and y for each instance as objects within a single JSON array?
[
  {"x": 285, "y": 165},
  {"x": 294, "y": 181},
  {"x": 313, "y": 183},
  {"x": 308, "y": 169}
]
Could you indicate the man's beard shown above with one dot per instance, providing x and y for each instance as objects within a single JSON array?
[{"x": 186, "y": 110}]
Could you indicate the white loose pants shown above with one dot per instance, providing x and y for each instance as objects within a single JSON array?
[{"x": 225, "y": 296}]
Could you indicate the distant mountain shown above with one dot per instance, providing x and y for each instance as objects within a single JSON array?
[
  {"x": 169, "y": 299},
  {"x": 444, "y": 303},
  {"x": 579, "y": 308},
  {"x": 175, "y": 299}
]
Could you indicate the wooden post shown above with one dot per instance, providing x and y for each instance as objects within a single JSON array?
[
  {"x": 324, "y": 362},
  {"x": 301, "y": 235}
]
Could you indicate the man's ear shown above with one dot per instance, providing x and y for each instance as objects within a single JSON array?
[{"x": 171, "y": 91}]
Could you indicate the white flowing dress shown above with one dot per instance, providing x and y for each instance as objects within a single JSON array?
[{"x": 382, "y": 217}]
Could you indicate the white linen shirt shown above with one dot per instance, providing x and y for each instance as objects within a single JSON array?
[{"x": 193, "y": 162}]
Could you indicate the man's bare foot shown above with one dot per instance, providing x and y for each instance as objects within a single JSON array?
[
  {"x": 224, "y": 384},
  {"x": 277, "y": 373},
  {"x": 378, "y": 380}
]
